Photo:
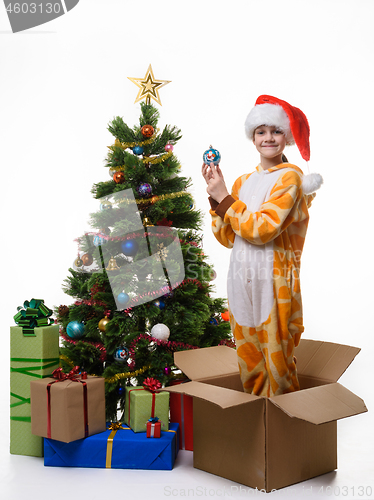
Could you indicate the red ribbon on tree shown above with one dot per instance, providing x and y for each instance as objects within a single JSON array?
[{"x": 73, "y": 375}]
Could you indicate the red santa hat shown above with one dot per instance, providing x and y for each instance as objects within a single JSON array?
[{"x": 271, "y": 111}]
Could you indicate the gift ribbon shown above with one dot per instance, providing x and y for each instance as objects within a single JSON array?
[
  {"x": 28, "y": 370},
  {"x": 176, "y": 441},
  {"x": 73, "y": 375},
  {"x": 114, "y": 427},
  {"x": 33, "y": 314}
]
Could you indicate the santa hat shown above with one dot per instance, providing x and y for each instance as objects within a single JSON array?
[{"x": 271, "y": 111}]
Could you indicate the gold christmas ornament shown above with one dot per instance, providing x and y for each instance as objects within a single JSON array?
[
  {"x": 102, "y": 324},
  {"x": 149, "y": 87},
  {"x": 78, "y": 262},
  {"x": 112, "y": 265}
]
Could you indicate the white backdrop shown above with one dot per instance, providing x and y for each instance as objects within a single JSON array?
[{"x": 60, "y": 85}]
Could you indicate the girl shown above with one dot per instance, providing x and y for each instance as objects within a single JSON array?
[{"x": 264, "y": 221}]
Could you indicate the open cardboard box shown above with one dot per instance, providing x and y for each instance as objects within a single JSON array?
[{"x": 267, "y": 443}]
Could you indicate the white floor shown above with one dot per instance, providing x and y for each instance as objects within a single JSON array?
[{"x": 26, "y": 478}]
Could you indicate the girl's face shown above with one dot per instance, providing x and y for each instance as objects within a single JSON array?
[{"x": 269, "y": 141}]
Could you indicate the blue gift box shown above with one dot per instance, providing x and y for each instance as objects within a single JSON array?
[{"x": 121, "y": 449}]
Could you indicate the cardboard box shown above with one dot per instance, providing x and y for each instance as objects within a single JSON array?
[
  {"x": 122, "y": 449},
  {"x": 67, "y": 419},
  {"x": 138, "y": 408},
  {"x": 32, "y": 357},
  {"x": 267, "y": 443}
]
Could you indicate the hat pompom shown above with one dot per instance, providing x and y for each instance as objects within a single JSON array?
[{"x": 311, "y": 183}]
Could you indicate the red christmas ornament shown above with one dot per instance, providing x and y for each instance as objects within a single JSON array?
[
  {"x": 148, "y": 130},
  {"x": 119, "y": 177},
  {"x": 225, "y": 316}
]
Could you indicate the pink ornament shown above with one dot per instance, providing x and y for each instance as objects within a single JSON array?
[
  {"x": 169, "y": 147},
  {"x": 167, "y": 370}
]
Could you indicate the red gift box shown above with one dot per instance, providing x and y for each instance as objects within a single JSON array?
[
  {"x": 181, "y": 411},
  {"x": 153, "y": 428}
]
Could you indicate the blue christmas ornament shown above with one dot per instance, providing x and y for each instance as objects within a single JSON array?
[
  {"x": 144, "y": 189},
  {"x": 138, "y": 150},
  {"x": 160, "y": 304},
  {"x": 123, "y": 298},
  {"x": 121, "y": 354},
  {"x": 98, "y": 240},
  {"x": 212, "y": 155},
  {"x": 129, "y": 247},
  {"x": 75, "y": 329},
  {"x": 213, "y": 321},
  {"x": 121, "y": 391},
  {"x": 105, "y": 205}
]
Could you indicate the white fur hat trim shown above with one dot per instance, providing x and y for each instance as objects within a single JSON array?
[
  {"x": 311, "y": 183},
  {"x": 269, "y": 115}
]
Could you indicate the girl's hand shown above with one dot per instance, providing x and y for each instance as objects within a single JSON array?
[{"x": 216, "y": 184}]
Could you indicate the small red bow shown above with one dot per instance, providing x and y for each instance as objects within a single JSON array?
[
  {"x": 59, "y": 375},
  {"x": 151, "y": 384}
]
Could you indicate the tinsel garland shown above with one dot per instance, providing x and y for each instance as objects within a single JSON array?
[
  {"x": 172, "y": 345},
  {"x": 98, "y": 345},
  {"x": 91, "y": 302},
  {"x": 228, "y": 343},
  {"x": 125, "y": 145},
  {"x": 67, "y": 360},
  {"x": 155, "y": 198},
  {"x": 119, "y": 376},
  {"x": 193, "y": 281},
  {"x": 129, "y": 236},
  {"x": 157, "y": 159}
]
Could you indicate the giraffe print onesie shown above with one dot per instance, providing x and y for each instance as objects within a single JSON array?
[{"x": 264, "y": 221}]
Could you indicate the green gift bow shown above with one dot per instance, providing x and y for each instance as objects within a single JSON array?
[{"x": 32, "y": 314}]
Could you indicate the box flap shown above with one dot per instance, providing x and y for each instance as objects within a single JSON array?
[
  {"x": 225, "y": 398},
  {"x": 198, "y": 364},
  {"x": 324, "y": 360},
  {"x": 321, "y": 404}
]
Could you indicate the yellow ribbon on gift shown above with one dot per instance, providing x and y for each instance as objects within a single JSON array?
[
  {"x": 114, "y": 427},
  {"x": 176, "y": 441}
]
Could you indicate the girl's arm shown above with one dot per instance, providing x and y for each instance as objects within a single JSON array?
[{"x": 222, "y": 230}]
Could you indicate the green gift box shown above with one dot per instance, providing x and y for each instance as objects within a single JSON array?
[
  {"x": 141, "y": 405},
  {"x": 33, "y": 354}
]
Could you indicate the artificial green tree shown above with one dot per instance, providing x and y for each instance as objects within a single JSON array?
[{"x": 142, "y": 265}]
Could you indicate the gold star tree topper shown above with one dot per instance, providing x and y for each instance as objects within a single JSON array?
[{"x": 149, "y": 87}]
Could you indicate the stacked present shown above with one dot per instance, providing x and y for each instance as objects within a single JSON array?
[
  {"x": 77, "y": 438},
  {"x": 63, "y": 414},
  {"x": 34, "y": 354}
]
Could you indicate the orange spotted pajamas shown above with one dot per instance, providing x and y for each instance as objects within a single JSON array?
[{"x": 264, "y": 221}]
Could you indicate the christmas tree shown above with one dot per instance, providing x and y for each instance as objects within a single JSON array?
[{"x": 141, "y": 282}]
